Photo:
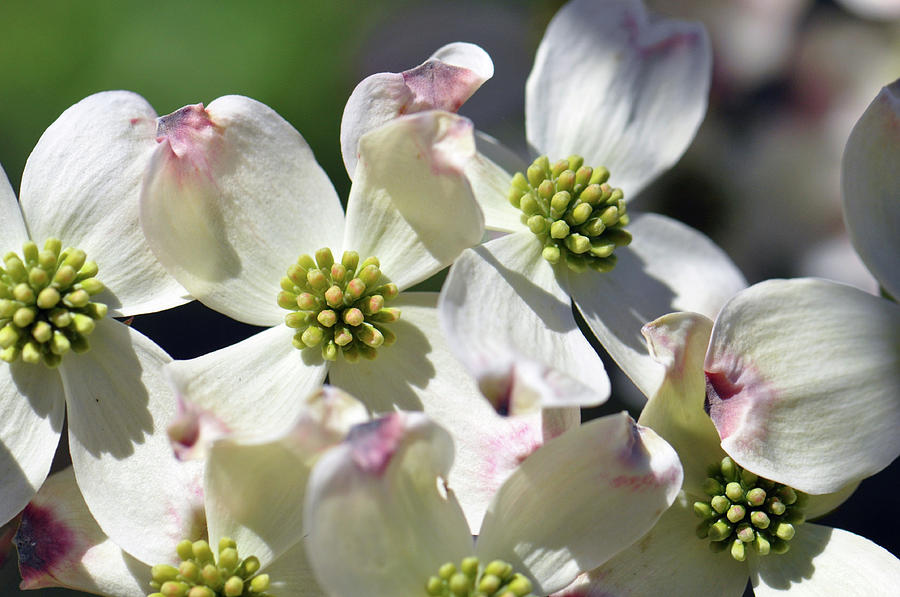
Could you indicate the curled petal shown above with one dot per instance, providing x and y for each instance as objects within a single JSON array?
[
  {"x": 443, "y": 82},
  {"x": 411, "y": 205}
]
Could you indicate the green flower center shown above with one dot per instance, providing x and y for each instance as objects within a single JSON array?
[
  {"x": 578, "y": 217},
  {"x": 497, "y": 579},
  {"x": 746, "y": 511},
  {"x": 201, "y": 575},
  {"x": 339, "y": 306},
  {"x": 45, "y": 303}
]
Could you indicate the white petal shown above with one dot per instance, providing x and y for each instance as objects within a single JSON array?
[
  {"x": 489, "y": 173},
  {"x": 233, "y": 196},
  {"x": 411, "y": 205},
  {"x": 60, "y": 545},
  {"x": 623, "y": 90},
  {"x": 12, "y": 226},
  {"x": 82, "y": 183},
  {"x": 118, "y": 406},
  {"x": 678, "y": 341},
  {"x": 420, "y": 373},
  {"x": 252, "y": 389},
  {"x": 443, "y": 82},
  {"x": 668, "y": 267},
  {"x": 580, "y": 499},
  {"x": 870, "y": 178},
  {"x": 378, "y": 501},
  {"x": 803, "y": 377},
  {"x": 33, "y": 407},
  {"x": 254, "y": 492},
  {"x": 669, "y": 560},
  {"x": 291, "y": 574},
  {"x": 510, "y": 323},
  {"x": 826, "y": 561}
]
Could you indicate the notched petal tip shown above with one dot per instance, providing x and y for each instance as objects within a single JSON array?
[
  {"x": 193, "y": 430},
  {"x": 45, "y": 544},
  {"x": 374, "y": 444},
  {"x": 184, "y": 127}
]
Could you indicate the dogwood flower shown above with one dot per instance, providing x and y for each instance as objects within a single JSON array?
[
  {"x": 76, "y": 223},
  {"x": 234, "y": 195},
  {"x": 800, "y": 381},
  {"x": 869, "y": 182},
  {"x": 382, "y": 521},
  {"x": 245, "y": 536},
  {"x": 624, "y": 91}
]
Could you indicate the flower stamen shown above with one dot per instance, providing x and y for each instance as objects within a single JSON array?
[
  {"x": 339, "y": 306},
  {"x": 745, "y": 510},
  {"x": 497, "y": 579},
  {"x": 45, "y": 303},
  {"x": 579, "y": 218},
  {"x": 202, "y": 575}
]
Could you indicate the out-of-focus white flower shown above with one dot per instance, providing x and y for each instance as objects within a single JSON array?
[
  {"x": 381, "y": 520},
  {"x": 250, "y": 506}
]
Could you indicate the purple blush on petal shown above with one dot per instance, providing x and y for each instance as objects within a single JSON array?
[
  {"x": 44, "y": 544},
  {"x": 440, "y": 86},
  {"x": 373, "y": 444}
]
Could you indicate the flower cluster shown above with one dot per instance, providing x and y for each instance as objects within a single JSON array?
[{"x": 378, "y": 440}]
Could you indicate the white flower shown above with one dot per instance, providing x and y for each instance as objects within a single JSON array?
[
  {"x": 381, "y": 520},
  {"x": 625, "y": 91},
  {"x": 234, "y": 196},
  {"x": 252, "y": 493},
  {"x": 81, "y": 186},
  {"x": 870, "y": 176},
  {"x": 800, "y": 379}
]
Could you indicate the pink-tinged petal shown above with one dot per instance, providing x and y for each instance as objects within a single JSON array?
[
  {"x": 251, "y": 499},
  {"x": 678, "y": 342},
  {"x": 82, "y": 183},
  {"x": 669, "y": 560},
  {"x": 33, "y": 409},
  {"x": 443, "y": 82},
  {"x": 60, "y": 545},
  {"x": 380, "y": 501},
  {"x": 802, "y": 382},
  {"x": 12, "y": 226},
  {"x": 411, "y": 204},
  {"x": 118, "y": 406},
  {"x": 510, "y": 323},
  {"x": 252, "y": 390},
  {"x": 826, "y": 561},
  {"x": 232, "y": 197},
  {"x": 668, "y": 267},
  {"x": 870, "y": 179},
  {"x": 580, "y": 499},
  {"x": 419, "y": 372},
  {"x": 621, "y": 88}
]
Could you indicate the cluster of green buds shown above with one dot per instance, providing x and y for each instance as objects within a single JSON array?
[
  {"x": 339, "y": 306},
  {"x": 45, "y": 303},
  {"x": 200, "y": 575},
  {"x": 745, "y": 510},
  {"x": 578, "y": 217},
  {"x": 497, "y": 579}
]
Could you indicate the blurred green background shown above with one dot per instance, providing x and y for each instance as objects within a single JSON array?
[{"x": 304, "y": 58}]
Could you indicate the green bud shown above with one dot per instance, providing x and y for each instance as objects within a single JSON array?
[
  {"x": 48, "y": 298},
  {"x": 324, "y": 258},
  {"x": 738, "y": 552},
  {"x": 559, "y": 229},
  {"x": 162, "y": 573},
  {"x": 234, "y": 587},
  {"x": 734, "y": 491},
  {"x": 736, "y": 513},
  {"x": 259, "y": 583}
]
